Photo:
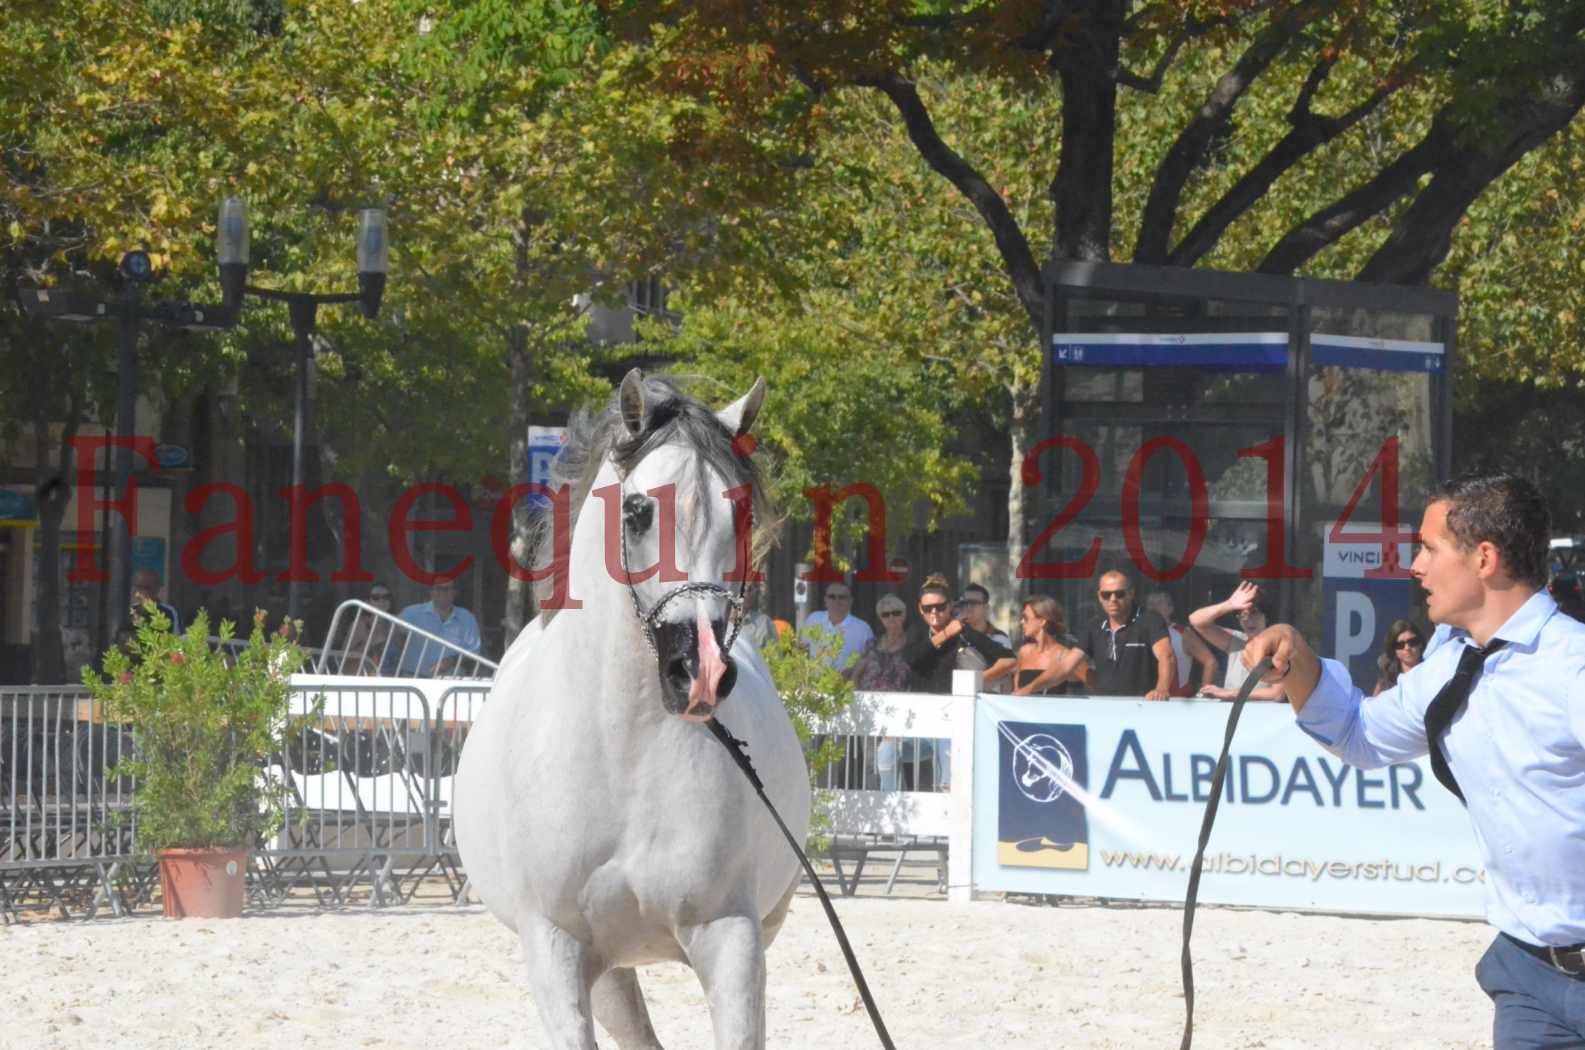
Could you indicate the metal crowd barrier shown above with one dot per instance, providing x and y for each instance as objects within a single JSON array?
[
  {"x": 356, "y": 770},
  {"x": 455, "y": 712},
  {"x": 370, "y": 642},
  {"x": 66, "y": 834},
  {"x": 367, "y": 766}
]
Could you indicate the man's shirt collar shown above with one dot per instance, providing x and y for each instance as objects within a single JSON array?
[{"x": 1523, "y": 628}]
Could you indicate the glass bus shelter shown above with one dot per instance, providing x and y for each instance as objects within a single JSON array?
[{"x": 1200, "y": 428}]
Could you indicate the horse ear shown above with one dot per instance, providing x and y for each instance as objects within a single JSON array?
[
  {"x": 739, "y": 416},
  {"x": 631, "y": 399}
]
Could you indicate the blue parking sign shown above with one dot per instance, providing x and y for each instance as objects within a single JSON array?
[
  {"x": 1364, "y": 587},
  {"x": 544, "y": 445}
]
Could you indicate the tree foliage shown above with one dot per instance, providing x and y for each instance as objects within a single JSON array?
[
  {"x": 1495, "y": 79},
  {"x": 1340, "y": 138}
]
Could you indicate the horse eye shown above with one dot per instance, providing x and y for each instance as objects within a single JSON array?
[{"x": 638, "y": 512}]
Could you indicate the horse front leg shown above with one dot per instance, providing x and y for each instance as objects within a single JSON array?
[
  {"x": 728, "y": 954},
  {"x": 560, "y": 973},
  {"x": 619, "y": 1006}
]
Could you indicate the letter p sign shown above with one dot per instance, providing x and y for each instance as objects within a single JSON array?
[{"x": 1354, "y": 631}]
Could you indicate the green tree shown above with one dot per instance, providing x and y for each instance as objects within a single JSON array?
[
  {"x": 1345, "y": 138},
  {"x": 524, "y": 177},
  {"x": 123, "y": 119},
  {"x": 528, "y": 180}
]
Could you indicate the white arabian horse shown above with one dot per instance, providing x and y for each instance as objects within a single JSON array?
[{"x": 595, "y": 813}]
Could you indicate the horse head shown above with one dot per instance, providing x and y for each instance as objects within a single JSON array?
[{"x": 685, "y": 549}]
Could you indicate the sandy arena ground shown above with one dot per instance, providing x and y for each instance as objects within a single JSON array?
[{"x": 984, "y": 975}]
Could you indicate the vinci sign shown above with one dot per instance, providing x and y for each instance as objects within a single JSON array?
[{"x": 1365, "y": 586}]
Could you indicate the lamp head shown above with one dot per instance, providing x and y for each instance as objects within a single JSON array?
[
  {"x": 373, "y": 248},
  {"x": 231, "y": 251},
  {"x": 231, "y": 232},
  {"x": 373, "y": 259}
]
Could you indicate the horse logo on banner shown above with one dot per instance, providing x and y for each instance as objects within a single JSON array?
[{"x": 1041, "y": 821}]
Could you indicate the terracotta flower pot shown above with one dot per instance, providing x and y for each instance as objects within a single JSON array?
[{"x": 203, "y": 883}]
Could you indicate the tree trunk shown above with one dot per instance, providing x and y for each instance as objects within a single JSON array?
[
  {"x": 1082, "y": 189},
  {"x": 54, "y": 491},
  {"x": 519, "y": 593},
  {"x": 1025, "y": 434}
]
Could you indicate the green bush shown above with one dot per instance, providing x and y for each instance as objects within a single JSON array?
[
  {"x": 813, "y": 693},
  {"x": 205, "y": 728}
]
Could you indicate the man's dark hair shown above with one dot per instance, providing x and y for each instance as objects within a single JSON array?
[
  {"x": 1127, "y": 576},
  {"x": 975, "y": 588},
  {"x": 1506, "y": 511}
]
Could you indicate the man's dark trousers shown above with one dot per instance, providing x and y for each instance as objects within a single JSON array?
[{"x": 1538, "y": 1006}]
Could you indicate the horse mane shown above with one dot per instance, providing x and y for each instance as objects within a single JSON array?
[{"x": 672, "y": 418}]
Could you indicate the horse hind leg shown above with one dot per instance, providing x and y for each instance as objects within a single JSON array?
[
  {"x": 772, "y": 923},
  {"x": 619, "y": 1007},
  {"x": 560, "y": 972}
]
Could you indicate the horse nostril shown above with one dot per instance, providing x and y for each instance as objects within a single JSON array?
[{"x": 677, "y": 669}]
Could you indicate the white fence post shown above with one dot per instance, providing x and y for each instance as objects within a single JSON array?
[{"x": 966, "y": 686}]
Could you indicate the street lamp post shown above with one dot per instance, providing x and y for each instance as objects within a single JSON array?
[
  {"x": 52, "y": 304},
  {"x": 303, "y": 309}
]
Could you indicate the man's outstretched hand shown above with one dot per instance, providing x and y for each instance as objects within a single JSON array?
[{"x": 1293, "y": 662}]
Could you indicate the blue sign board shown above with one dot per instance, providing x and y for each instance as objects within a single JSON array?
[
  {"x": 1381, "y": 355},
  {"x": 18, "y": 508},
  {"x": 1240, "y": 351},
  {"x": 173, "y": 457},
  {"x": 148, "y": 552},
  {"x": 1213, "y": 351},
  {"x": 1364, "y": 587},
  {"x": 544, "y": 445}
]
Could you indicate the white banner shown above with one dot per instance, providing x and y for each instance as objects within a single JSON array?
[{"x": 1104, "y": 797}]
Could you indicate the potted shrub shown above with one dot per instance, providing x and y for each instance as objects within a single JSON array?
[{"x": 206, "y": 725}]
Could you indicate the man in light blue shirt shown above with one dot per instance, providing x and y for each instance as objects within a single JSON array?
[
  {"x": 442, "y": 617},
  {"x": 1515, "y": 750}
]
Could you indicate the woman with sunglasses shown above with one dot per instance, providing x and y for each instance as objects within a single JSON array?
[
  {"x": 1402, "y": 649},
  {"x": 1046, "y": 666},
  {"x": 370, "y": 636},
  {"x": 881, "y": 667},
  {"x": 933, "y": 658}
]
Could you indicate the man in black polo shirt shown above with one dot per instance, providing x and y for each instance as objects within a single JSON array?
[{"x": 1130, "y": 651}]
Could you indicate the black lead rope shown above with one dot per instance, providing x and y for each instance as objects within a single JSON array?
[
  {"x": 1190, "y": 898},
  {"x": 734, "y": 748}
]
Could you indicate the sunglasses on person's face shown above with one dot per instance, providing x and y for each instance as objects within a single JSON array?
[
  {"x": 1107, "y": 596},
  {"x": 891, "y": 612},
  {"x": 379, "y": 596},
  {"x": 933, "y": 607},
  {"x": 839, "y": 597},
  {"x": 1407, "y": 643}
]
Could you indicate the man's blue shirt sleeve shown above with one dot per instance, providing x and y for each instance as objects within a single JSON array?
[{"x": 1367, "y": 733}]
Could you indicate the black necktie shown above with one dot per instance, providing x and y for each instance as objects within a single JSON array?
[{"x": 1449, "y": 702}]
